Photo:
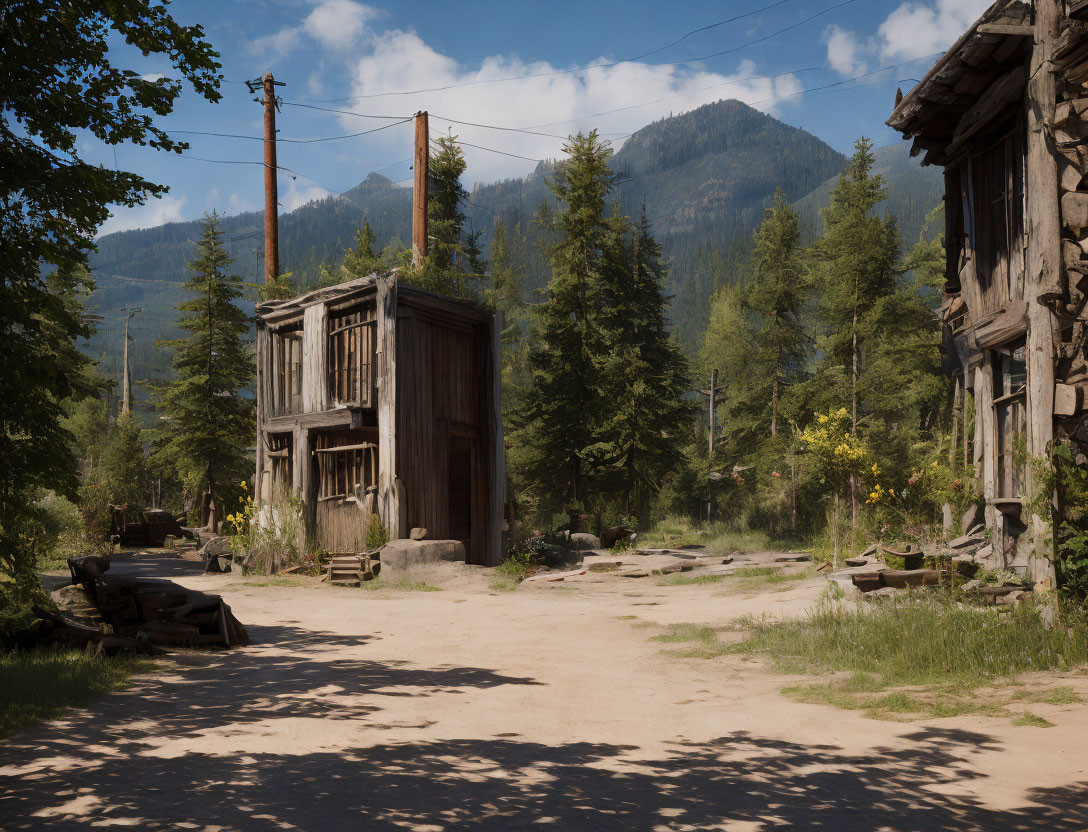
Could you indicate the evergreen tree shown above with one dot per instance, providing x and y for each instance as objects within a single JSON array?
[
  {"x": 776, "y": 295},
  {"x": 857, "y": 258},
  {"x": 555, "y": 431},
  {"x": 363, "y": 259},
  {"x": 445, "y": 195},
  {"x": 122, "y": 473},
  {"x": 209, "y": 423},
  {"x": 643, "y": 375}
]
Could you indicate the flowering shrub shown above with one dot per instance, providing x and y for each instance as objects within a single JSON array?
[{"x": 836, "y": 455}]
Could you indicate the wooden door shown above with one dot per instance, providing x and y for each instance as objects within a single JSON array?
[{"x": 459, "y": 468}]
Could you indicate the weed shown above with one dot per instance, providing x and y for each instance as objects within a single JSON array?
[
  {"x": 1057, "y": 696},
  {"x": 625, "y": 617},
  {"x": 41, "y": 684},
  {"x": 680, "y": 579},
  {"x": 688, "y": 632},
  {"x": 1033, "y": 720},
  {"x": 502, "y": 585}
]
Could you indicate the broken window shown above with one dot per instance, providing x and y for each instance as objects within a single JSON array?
[
  {"x": 285, "y": 345},
  {"x": 347, "y": 465},
  {"x": 351, "y": 357},
  {"x": 1010, "y": 412}
]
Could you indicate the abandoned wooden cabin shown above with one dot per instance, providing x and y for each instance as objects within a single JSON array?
[
  {"x": 1005, "y": 112},
  {"x": 374, "y": 396}
]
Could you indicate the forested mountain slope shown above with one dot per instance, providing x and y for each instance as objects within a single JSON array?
[{"x": 703, "y": 177}]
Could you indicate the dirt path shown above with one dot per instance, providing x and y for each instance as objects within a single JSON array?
[{"x": 545, "y": 708}]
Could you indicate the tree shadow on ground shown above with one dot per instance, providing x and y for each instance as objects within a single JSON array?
[{"x": 128, "y": 760}]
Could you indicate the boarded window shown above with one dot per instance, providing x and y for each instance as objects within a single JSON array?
[
  {"x": 347, "y": 465},
  {"x": 285, "y": 346},
  {"x": 1010, "y": 417},
  {"x": 997, "y": 197},
  {"x": 351, "y": 357},
  {"x": 459, "y": 489},
  {"x": 280, "y": 447}
]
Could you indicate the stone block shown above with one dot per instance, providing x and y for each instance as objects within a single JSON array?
[
  {"x": 401, "y": 555},
  {"x": 583, "y": 541}
]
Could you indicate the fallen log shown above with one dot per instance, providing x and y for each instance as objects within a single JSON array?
[{"x": 900, "y": 578}]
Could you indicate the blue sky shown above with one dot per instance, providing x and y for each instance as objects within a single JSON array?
[{"x": 348, "y": 56}]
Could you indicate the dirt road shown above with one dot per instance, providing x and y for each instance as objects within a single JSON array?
[{"x": 544, "y": 708}]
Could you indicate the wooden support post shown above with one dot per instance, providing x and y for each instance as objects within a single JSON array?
[
  {"x": 1044, "y": 259},
  {"x": 419, "y": 190},
  {"x": 495, "y": 447},
  {"x": 388, "y": 495},
  {"x": 262, "y": 351}
]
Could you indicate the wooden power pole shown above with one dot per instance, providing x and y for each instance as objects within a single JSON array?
[
  {"x": 419, "y": 191},
  {"x": 126, "y": 377},
  {"x": 712, "y": 415},
  {"x": 268, "y": 85}
]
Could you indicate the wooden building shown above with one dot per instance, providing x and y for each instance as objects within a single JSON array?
[
  {"x": 1005, "y": 112},
  {"x": 374, "y": 396}
]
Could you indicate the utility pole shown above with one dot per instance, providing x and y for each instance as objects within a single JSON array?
[
  {"x": 268, "y": 85},
  {"x": 712, "y": 395},
  {"x": 126, "y": 377},
  {"x": 419, "y": 191}
]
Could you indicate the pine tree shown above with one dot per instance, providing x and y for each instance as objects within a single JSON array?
[
  {"x": 858, "y": 265},
  {"x": 643, "y": 374},
  {"x": 208, "y": 422},
  {"x": 556, "y": 426},
  {"x": 776, "y": 294},
  {"x": 123, "y": 471}
]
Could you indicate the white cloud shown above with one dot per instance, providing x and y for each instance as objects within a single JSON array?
[
  {"x": 916, "y": 29},
  {"x": 233, "y": 203},
  {"x": 334, "y": 24},
  {"x": 297, "y": 196},
  {"x": 276, "y": 45},
  {"x": 564, "y": 103},
  {"x": 844, "y": 51},
  {"x": 338, "y": 24},
  {"x": 155, "y": 212}
]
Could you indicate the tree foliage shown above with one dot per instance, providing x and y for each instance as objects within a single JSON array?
[
  {"x": 61, "y": 83},
  {"x": 208, "y": 421}
]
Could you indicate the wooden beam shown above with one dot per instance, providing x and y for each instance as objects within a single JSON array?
[
  {"x": 494, "y": 446},
  {"x": 993, "y": 102},
  {"x": 1043, "y": 264},
  {"x": 386, "y": 357},
  {"x": 340, "y": 417},
  {"x": 1022, "y": 29}
]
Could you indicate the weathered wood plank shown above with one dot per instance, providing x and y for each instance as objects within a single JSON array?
[{"x": 386, "y": 310}]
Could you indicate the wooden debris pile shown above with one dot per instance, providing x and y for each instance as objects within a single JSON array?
[{"x": 144, "y": 611}]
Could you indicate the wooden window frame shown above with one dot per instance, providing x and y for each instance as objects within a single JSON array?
[
  {"x": 345, "y": 471},
  {"x": 1010, "y": 478},
  {"x": 351, "y": 343}
]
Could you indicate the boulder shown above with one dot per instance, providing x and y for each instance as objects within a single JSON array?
[
  {"x": 584, "y": 540},
  {"x": 857, "y": 561},
  {"x": 418, "y": 534},
  {"x": 1011, "y": 597},
  {"x": 794, "y": 557},
  {"x": 971, "y": 586},
  {"x": 604, "y": 566},
  {"x": 400, "y": 555}
]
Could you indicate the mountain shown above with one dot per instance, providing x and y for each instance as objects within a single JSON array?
[{"x": 703, "y": 179}]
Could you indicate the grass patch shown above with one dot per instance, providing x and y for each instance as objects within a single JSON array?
[
  {"x": 1033, "y": 720},
  {"x": 702, "y": 640},
  {"x": 271, "y": 580},
  {"x": 503, "y": 585},
  {"x": 919, "y": 639},
  {"x": 718, "y": 537},
  {"x": 680, "y": 579},
  {"x": 1057, "y": 696},
  {"x": 401, "y": 585},
  {"x": 625, "y": 617},
  {"x": 42, "y": 684}
]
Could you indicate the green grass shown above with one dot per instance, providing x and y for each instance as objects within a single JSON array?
[
  {"x": 42, "y": 684},
  {"x": 680, "y": 579},
  {"x": 269, "y": 580},
  {"x": 716, "y": 537},
  {"x": 1057, "y": 696},
  {"x": 400, "y": 585},
  {"x": 1033, "y": 720},
  {"x": 625, "y": 617},
  {"x": 503, "y": 585},
  {"x": 919, "y": 639}
]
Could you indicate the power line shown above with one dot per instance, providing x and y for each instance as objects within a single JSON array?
[
  {"x": 502, "y": 152},
  {"x": 329, "y": 110},
  {"x": 291, "y": 141},
  {"x": 611, "y": 64},
  {"x": 709, "y": 26},
  {"x": 495, "y": 127}
]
